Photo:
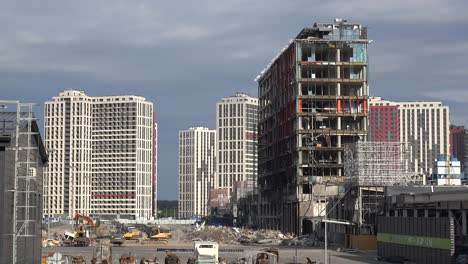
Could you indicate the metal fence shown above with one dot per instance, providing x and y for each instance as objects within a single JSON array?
[{"x": 421, "y": 240}]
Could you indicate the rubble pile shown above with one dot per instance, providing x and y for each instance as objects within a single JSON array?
[
  {"x": 179, "y": 235},
  {"x": 186, "y": 233},
  {"x": 228, "y": 235},
  {"x": 262, "y": 236},
  {"x": 303, "y": 241},
  {"x": 216, "y": 234}
]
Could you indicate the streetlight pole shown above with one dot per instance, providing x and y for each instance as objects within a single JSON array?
[{"x": 326, "y": 231}]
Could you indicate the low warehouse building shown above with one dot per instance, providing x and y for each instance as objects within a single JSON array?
[{"x": 425, "y": 224}]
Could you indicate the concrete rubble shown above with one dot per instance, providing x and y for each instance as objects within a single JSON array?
[
  {"x": 236, "y": 236},
  {"x": 303, "y": 241},
  {"x": 224, "y": 235}
]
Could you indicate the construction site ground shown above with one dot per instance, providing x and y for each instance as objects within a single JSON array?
[
  {"x": 232, "y": 246},
  {"x": 231, "y": 253}
]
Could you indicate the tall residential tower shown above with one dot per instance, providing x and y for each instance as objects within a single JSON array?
[
  {"x": 313, "y": 100},
  {"x": 197, "y": 161},
  {"x": 236, "y": 126},
  {"x": 384, "y": 123},
  {"x": 424, "y": 125},
  {"x": 101, "y": 155}
]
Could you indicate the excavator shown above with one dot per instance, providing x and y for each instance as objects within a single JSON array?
[
  {"x": 157, "y": 235},
  {"x": 147, "y": 234},
  {"x": 79, "y": 238},
  {"x": 133, "y": 233},
  {"x": 160, "y": 234}
]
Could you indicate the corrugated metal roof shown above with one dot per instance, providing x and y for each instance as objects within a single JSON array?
[{"x": 397, "y": 190}]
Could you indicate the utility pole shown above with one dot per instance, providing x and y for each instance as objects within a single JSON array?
[
  {"x": 326, "y": 231},
  {"x": 15, "y": 186}
]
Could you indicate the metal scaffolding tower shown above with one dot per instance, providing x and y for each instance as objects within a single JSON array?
[
  {"x": 26, "y": 202},
  {"x": 372, "y": 166},
  {"x": 379, "y": 164}
]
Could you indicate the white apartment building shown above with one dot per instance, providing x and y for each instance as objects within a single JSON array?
[
  {"x": 425, "y": 125},
  {"x": 236, "y": 126},
  {"x": 101, "y": 156},
  {"x": 155, "y": 166},
  {"x": 197, "y": 158}
]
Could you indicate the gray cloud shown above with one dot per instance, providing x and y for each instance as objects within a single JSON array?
[{"x": 186, "y": 55}]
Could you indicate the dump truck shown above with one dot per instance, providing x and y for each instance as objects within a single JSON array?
[{"x": 206, "y": 252}]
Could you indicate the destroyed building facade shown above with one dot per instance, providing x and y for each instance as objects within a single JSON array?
[{"x": 312, "y": 101}]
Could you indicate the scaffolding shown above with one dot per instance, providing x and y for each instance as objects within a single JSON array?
[
  {"x": 26, "y": 187},
  {"x": 369, "y": 167},
  {"x": 379, "y": 164}
]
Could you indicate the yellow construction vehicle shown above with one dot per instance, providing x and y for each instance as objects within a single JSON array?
[
  {"x": 133, "y": 233},
  {"x": 159, "y": 234}
]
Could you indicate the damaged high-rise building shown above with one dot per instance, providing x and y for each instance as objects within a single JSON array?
[{"x": 312, "y": 101}]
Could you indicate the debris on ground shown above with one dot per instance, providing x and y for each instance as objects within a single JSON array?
[
  {"x": 50, "y": 243},
  {"x": 303, "y": 241},
  {"x": 230, "y": 235},
  {"x": 350, "y": 250},
  {"x": 201, "y": 232}
]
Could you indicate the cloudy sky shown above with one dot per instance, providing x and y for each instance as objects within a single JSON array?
[{"x": 185, "y": 55}]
